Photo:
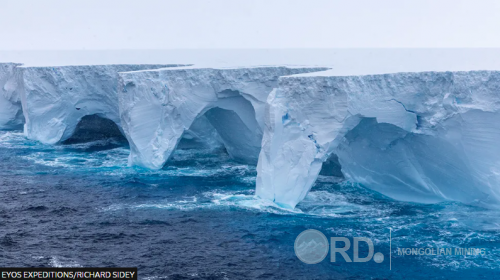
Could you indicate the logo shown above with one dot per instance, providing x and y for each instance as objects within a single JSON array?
[{"x": 311, "y": 247}]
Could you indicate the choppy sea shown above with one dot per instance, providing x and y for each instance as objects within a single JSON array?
[{"x": 197, "y": 218}]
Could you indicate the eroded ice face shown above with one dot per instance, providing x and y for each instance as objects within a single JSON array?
[
  {"x": 423, "y": 137},
  {"x": 11, "y": 116}
]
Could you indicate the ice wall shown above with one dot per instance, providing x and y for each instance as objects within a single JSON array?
[
  {"x": 54, "y": 99},
  {"x": 422, "y": 137},
  {"x": 11, "y": 116},
  {"x": 158, "y": 106}
]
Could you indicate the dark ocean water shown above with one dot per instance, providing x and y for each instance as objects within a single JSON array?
[{"x": 197, "y": 218}]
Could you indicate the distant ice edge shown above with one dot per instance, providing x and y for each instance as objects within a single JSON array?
[{"x": 422, "y": 137}]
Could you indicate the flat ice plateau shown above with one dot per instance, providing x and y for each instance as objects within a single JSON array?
[{"x": 417, "y": 136}]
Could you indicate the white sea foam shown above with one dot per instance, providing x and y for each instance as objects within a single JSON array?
[
  {"x": 319, "y": 204},
  {"x": 63, "y": 262}
]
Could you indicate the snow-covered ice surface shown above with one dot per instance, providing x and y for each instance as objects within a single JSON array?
[
  {"x": 11, "y": 116},
  {"x": 54, "y": 99},
  {"x": 158, "y": 106},
  {"x": 342, "y": 61},
  {"x": 423, "y": 137}
]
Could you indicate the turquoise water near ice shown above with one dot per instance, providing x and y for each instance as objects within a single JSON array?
[{"x": 198, "y": 218}]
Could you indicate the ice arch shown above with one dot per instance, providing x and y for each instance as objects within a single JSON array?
[
  {"x": 11, "y": 115},
  {"x": 158, "y": 106},
  {"x": 230, "y": 124},
  {"x": 55, "y": 99},
  {"x": 311, "y": 116}
]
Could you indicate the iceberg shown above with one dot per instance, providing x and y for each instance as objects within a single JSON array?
[
  {"x": 11, "y": 115},
  {"x": 422, "y": 137},
  {"x": 55, "y": 99},
  {"x": 158, "y": 106}
]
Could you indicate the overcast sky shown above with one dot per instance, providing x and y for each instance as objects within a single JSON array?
[{"x": 169, "y": 24}]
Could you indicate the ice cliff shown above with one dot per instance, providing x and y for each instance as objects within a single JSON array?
[
  {"x": 11, "y": 116},
  {"x": 158, "y": 106},
  {"x": 55, "y": 99},
  {"x": 421, "y": 137}
]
